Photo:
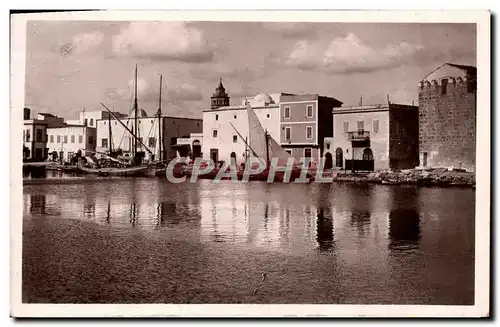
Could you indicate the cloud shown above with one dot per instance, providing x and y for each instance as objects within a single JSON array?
[
  {"x": 82, "y": 43},
  {"x": 290, "y": 29},
  {"x": 184, "y": 92},
  {"x": 350, "y": 55},
  {"x": 149, "y": 91},
  {"x": 169, "y": 41}
]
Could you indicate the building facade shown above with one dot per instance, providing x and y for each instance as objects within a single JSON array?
[
  {"x": 147, "y": 132},
  {"x": 447, "y": 117},
  {"x": 299, "y": 123},
  {"x": 223, "y": 142},
  {"x": 374, "y": 137},
  {"x": 35, "y": 140},
  {"x": 65, "y": 141},
  {"x": 305, "y": 120}
]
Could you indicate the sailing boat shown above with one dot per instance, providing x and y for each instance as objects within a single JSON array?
[
  {"x": 265, "y": 147},
  {"x": 137, "y": 168}
]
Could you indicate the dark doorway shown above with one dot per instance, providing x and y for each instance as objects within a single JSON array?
[
  {"x": 214, "y": 155},
  {"x": 196, "y": 149},
  {"x": 424, "y": 159},
  {"x": 339, "y": 158},
  {"x": 328, "y": 161},
  {"x": 233, "y": 158}
]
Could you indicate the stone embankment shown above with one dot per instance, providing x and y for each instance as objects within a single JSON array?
[{"x": 428, "y": 177}]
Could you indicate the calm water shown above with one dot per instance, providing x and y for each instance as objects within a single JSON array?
[{"x": 390, "y": 244}]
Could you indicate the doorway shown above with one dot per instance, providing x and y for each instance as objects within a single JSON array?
[
  {"x": 424, "y": 159},
  {"x": 339, "y": 158},
  {"x": 328, "y": 161},
  {"x": 233, "y": 158},
  {"x": 214, "y": 155}
]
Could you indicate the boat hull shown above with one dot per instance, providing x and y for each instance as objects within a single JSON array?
[{"x": 110, "y": 171}]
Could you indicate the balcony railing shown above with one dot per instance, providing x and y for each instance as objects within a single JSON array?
[{"x": 358, "y": 136}]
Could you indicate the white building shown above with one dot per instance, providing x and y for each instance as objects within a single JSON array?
[
  {"x": 222, "y": 142},
  {"x": 68, "y": 140},
  {"x": 147, "y": 132}
]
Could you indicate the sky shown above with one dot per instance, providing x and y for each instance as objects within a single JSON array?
[{"x": 75, "y": 65}]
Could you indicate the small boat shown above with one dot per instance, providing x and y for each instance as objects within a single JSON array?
[{"x": 116, "y": 171}]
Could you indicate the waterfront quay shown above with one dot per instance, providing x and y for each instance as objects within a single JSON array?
[{"x": 146, "y": 240}]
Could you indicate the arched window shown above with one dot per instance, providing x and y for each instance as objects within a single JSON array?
[
  {"x": 339, "y": 157},
  {"x": 91, "y": 122},
  {"x": 368, "y": 154}
]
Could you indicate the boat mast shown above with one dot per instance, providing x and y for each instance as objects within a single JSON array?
[
  {"x": 135, "y": 111},
  {"x": 159, "y": 122},
  {"x": 267, "y": 147},
  {"x": 110, "y": 135},
  {"x": 127, "y": 129}
]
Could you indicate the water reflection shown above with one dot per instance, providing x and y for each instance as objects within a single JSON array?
[
  {"x": 38, "y": 203},
  {"x": 324, "y": 229},
  {"x": 404, "y": 219},
  {"x": 404, "y": 229}
]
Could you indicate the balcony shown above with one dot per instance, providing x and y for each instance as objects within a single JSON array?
[{"x": 360, "y": 135}]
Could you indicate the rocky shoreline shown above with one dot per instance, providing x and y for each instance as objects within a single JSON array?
[{"x": 421, "y": 177}]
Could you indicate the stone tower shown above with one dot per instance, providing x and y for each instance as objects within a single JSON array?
[
  {"x": 447, "y": 118},
  {"x": 220, "y": 97}
]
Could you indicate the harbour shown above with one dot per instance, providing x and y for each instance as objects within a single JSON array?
[{"x": 143, "y": 240}]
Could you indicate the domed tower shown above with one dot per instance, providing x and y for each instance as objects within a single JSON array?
[{"x": 220, "y": 97}]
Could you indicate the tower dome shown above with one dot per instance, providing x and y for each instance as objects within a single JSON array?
[
  {"x": 220, "y": 97},
  {"x": 263, "y": 99}
]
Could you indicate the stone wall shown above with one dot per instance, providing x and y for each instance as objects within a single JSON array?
[{"x": 447, "y": 123}]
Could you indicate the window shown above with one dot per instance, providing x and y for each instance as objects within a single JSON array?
[
  {"x": 104, "y": 143},
  {"x": 104, "y": 123},
  {"x": 361, "y": 125},
  {"x": 152, "y": 142},
  {"x": 65, "y": 139},
  {"x": 80, "y": 139},
  {"x": 216, "y": 117},
  {"x": 309, "y": 132},
  {"x": 234, "y": 116},
  {"x": 91, "y": 139},
  {"x": 307, "y": 152},
  {"x": 39, "y": 135},
  {"x": 58, "y": 138},
  {"x": 85, "y": 122},
  {"x": 91, "y": 122},
  {"x": 288, "y": 133},
  {"x": 235, "y": 138},
  {"x": 328, "y": 146},
  {"x": 346, "y": 127},
  {"x": 52, "y": 139},
  {"x": 289, "y": 151},
  {"x": 214, "y": 133},
  {"x": 368, "y": 154},
  {"x": 309, "y": 111},
  {"x": 375, "y": 126},
  {"x": 28, "y": 136},
  {"x": 268, "y": 116},
  {"x": 72, "y": 139},
  {"x": 287, "y": 112},
  {"x": 444, "y": 85}
]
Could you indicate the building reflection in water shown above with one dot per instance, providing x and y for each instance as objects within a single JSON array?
[
  {"x": 38, "y": 204},
  {"x": 324, "y": 229},
  {"x": 404, "y": 219},
  {"x": 108, "y": 213},
  {"x": 360, "y": 220},
  {"x": 404, "y": 229},
  {"x": 133, "y": 214}
]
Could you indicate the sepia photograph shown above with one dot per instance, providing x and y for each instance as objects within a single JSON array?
[{"x": 259, "y": 163}]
